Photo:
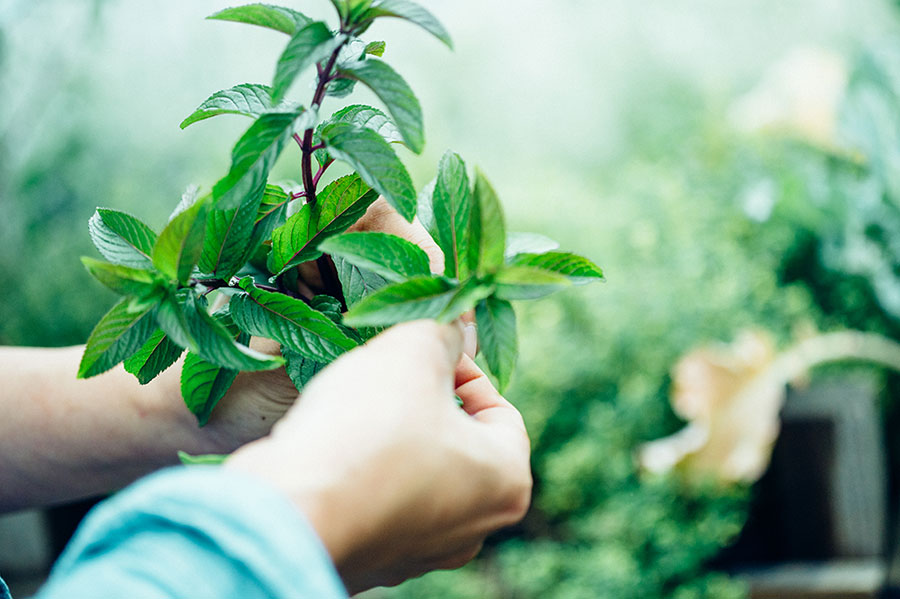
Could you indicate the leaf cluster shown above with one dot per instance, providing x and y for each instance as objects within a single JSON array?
[{"x": 255, "y": 242}]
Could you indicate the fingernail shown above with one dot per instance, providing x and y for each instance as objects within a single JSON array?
[{"x": 470, "y": 340}]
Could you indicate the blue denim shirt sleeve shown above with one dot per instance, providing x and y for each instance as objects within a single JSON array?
[
  {"x": 4, "y": 590},
  {"x": 198, "y": 532}
]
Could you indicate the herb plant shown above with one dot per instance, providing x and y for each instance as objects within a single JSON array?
[{"x": 240, "y": 240}]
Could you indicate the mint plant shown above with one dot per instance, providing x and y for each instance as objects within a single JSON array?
[{"x": 252, "y": 240}]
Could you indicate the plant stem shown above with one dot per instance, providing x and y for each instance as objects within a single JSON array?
[{"x": 309, "y": 180}]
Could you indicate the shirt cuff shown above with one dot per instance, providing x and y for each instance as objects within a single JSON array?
[{"x": 197, "y": 531}]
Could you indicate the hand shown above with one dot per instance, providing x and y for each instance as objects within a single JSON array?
[
  {"x": 395, "y": 478},
  {"x": 259, "y": 399}
]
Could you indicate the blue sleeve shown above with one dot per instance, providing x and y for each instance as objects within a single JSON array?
[{"x": 195, "y": 532}]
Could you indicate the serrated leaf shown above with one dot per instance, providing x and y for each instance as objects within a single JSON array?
[
  {"x": 528, "y": 243},
  {"x": 279, "y": 18},
  {"x": 362, "y": 116},
  {"x": 118, "y": 335},
  {"x": 154, "y": 357},
  {"x": 202, "y": 460},
  {"x": 465, "y": 299},
  {"x": 375, "y": 162},
  {"x": 412, "y": 12},
  {"x": 524, "y": 283},
  {"x": 397, "y": 96},
  {"x": 216, "y": 341},
  {"x": 452, "y": 206},
  {"x": 122, "y": 279},
  {"x": 357, "y": 283},
  {"x": 422, "y": 297},
  {"x": 338, "y": 206},
  {"x": 272, "y": 212},
  {"x": 312, "y": 44},
  {"x": 577, "y": 269},
  {"x": 290, "y": 322},
  {"x": 121, "y": 238},
  {"x": 389, "y": 256},
  {"x": 229, "y": 238},
  {"x": 190, "y": 197},
  {"x": 487, "y": 228},
  {"x": 253, "y": 157},
  {"x": 300, "y": 369},
  {"x": 247, "y": 99},
  {"x": 180, "y": 244},
  {"x": 203, "y": 385},
  {"x": 497, "y": 337},
  {"x": 186, "y": 321}
]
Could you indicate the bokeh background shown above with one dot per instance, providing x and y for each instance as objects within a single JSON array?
[{"x": 733, "y": 165}]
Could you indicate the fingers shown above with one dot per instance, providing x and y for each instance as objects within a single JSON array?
[{"x": 481, "y": 400}]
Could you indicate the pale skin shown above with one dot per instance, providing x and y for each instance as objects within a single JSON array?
[{"x": 63, "y": 439}]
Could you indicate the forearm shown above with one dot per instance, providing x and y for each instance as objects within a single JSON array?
[{"x": 63, "y": 438}]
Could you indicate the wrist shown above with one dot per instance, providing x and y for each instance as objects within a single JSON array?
[{"x": 309, "y": 489}]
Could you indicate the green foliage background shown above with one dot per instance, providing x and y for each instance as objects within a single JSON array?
[{"x": 603, "y": 124}]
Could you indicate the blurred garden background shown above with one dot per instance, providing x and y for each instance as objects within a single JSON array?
[{"x": 733, "y": 166}]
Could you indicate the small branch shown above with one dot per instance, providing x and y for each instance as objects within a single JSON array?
[
  {"x": 321, "y": 172},
  {"x": 317, "y": 147},
  {"x": 299, "y": 140},
  {"x": 298, "y": 195}
]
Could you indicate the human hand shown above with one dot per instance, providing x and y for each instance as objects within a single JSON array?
[
  {"x": 395, "y": 478},
  {"x": 259, "y": 399}
]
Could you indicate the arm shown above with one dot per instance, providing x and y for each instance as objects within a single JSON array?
[
  {"x": 393, "y": 478},
  {"x": 62, "y": 438}
]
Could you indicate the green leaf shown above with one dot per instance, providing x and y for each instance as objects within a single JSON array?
[
  {"x": 422, "y": 297},
  {"x": 281, "y": 19},
  {"x": 308, "y": 46},
  {"x": 524, "y": 283},
  {"x": 272, "y": 212},
  {"x": 376, "y": 163},
  {"x": 229, "y": 236},
  {"x": 452, "y": 206},
  {"x": 488, "y": 228},
  {"x": 246, "y": 99},
  {"x": 465, "y": 299},
  {"x": 201, "y": 460},
  {"x": 186, "y": 321},
  {"x": 364, "y": 117},
  {"x": 118, "y": 335},
  {"x": 497, "y": 337},
  {"x": 412, "y": 12},
  {"x": 253, "y": 157},
  {"x": 389, "y": 256},
  {"x": 290, "y": 322},
  {"x": 203, "y": 385},
  {"x": 425, "y": 208},
  {"x": 577, "y": 269},
  {"x": 171, "y": 317},
  {"x": 397, "y": 96},
  {"x": 121, "y": 238},
  {"x": 122, "y": 279},
  {"x": 376, "y": 49},
  {"x": 156, "y": 355},
  {"x": 528, "y": 243},
  {"x": 338, "y": 207},
  {"x": 216, "y": 343},
  {"x": 357, "y": 283},
  {"x": 299, "y": 368},
  {"x": 180, "y": 244}
]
